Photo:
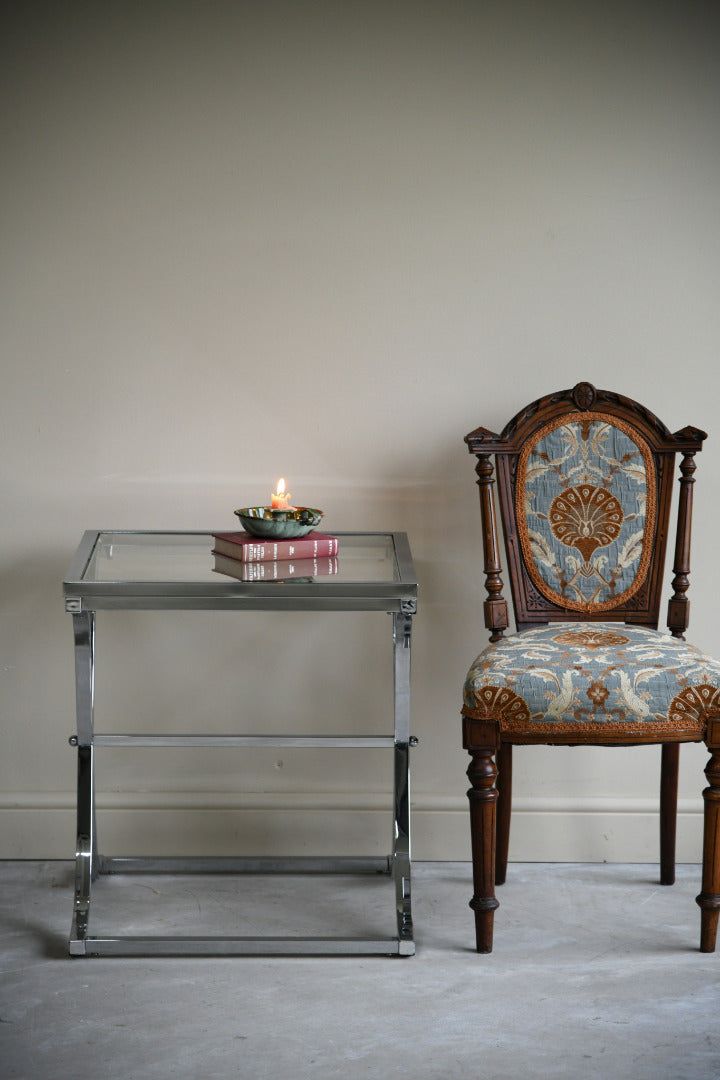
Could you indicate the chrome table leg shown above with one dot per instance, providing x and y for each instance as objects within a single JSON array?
[
  {"x": 85, "y": 864},
  {"x": 86, "y": 852},
  {"x": 402, "y": 630}
]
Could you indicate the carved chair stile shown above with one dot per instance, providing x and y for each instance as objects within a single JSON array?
[{"x": 584, "y": 481}]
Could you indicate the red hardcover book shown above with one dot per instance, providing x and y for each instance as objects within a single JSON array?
[
  {"x": 246, "y": 548},
  {"x": 276, "y": 569}
]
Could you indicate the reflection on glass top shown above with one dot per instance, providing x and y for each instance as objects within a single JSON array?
[{"x": 170, "y": 557}]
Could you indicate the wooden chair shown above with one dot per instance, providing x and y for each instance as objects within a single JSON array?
[{"x": 584, "y": 480}]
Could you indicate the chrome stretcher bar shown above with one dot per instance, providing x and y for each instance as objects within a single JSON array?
[
  {"x": 241, "y": 946},
  {"x": 91, "y": 586}
]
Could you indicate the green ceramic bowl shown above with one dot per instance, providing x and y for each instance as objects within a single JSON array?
[{"x": 279, "y": 524}]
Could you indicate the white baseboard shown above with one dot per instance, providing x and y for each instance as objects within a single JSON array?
[{"x": 225, "y": 823}]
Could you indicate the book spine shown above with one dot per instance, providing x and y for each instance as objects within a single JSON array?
[{"x": 304, "y": 548}]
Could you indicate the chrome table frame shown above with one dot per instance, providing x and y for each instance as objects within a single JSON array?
[{"x": 84, "y": 597}]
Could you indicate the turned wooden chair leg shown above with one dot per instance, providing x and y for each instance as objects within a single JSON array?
[
  {"x": 483, "y": 796},
  {"x": 668, "y": 810},
  {"x": 504, "y": 808},
  {"x": 709, "y": 898},
  {"x": 480, "y": 739}
]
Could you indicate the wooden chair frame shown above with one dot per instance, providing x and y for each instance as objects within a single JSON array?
[{"x": 490, "y": 770}]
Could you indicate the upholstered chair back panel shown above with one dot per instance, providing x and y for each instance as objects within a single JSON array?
[{"x": 586, "y": 505}]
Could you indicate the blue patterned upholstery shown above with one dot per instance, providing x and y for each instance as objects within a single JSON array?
[
  {"x": 578, "y": 678},
  {"x": 586, "y": 506}
]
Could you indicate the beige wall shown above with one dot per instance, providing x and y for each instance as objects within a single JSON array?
[{"x": 326, "y": 241}]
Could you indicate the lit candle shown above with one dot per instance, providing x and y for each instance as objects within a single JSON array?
[{"x": 280, "y": 499}]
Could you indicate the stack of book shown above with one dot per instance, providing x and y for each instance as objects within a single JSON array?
[{"x": 250, "y": 558}]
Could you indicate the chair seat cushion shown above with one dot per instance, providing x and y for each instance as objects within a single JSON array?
[{"x": 593, "y": 681}]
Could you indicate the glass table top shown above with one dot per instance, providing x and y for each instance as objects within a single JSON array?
[{"x": 184, "y": 563}]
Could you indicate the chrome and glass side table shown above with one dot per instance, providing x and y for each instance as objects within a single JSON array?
[{"x": 173, "y": 571}]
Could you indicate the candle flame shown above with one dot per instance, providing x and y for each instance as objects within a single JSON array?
[{"x": 280, "y": 498}]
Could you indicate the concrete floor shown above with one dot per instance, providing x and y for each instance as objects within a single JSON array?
[{"x": 596, "y": 974}]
